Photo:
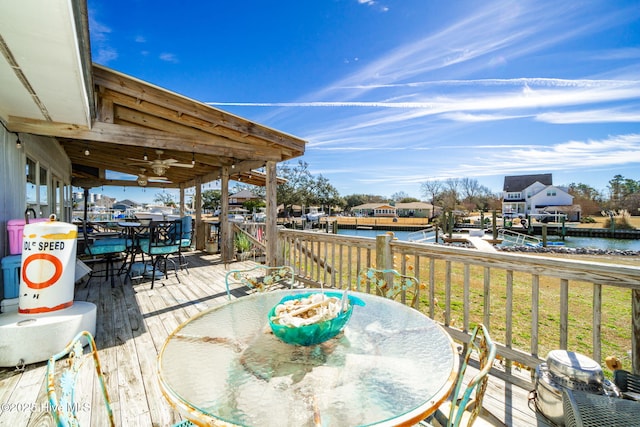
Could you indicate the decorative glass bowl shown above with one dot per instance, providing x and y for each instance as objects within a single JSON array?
[{"x": 314, "y": 333}]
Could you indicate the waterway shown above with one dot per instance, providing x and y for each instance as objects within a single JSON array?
[{"x": 569, "y": 242}]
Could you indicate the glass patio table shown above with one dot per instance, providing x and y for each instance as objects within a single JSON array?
[{"x": 390, "y": 366}]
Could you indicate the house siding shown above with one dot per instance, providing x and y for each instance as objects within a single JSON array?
[{"x": 48, "y": 153}]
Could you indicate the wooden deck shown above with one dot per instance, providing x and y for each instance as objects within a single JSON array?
[{"x": 134, "y": 321}]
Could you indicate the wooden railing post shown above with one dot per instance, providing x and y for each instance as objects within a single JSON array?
[{"x": 384, "y": 257}]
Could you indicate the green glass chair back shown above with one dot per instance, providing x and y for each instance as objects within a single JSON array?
[
  {"x": 483, "y": 346},
  {"x": 61, "y": 385},
  {"x": 390, "y": 284},
  {"x": 261, "y": 278}
]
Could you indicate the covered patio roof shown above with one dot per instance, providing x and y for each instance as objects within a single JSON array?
[{"x": 119, "y": 120}]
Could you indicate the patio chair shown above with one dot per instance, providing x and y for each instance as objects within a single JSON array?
[
  {"x": 260, "y": 278},
  {"x": 390, "y": 284},
  {"x": 107, "y": 248},
  {"x": 185, "y": 241},
  {"x": 162, "y": 242},
  {"x": 62, "y": 383},
  {"x": 465, "y": 406},
  {"x": 590, "y": 409},
  {"x": 628, "y": 384}
]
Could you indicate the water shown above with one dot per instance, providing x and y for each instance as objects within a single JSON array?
[{"x": 569, "y": 242}]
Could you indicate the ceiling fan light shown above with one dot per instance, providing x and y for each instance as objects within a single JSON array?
[
  {"x": 159, "y": 169},
  {"x": 142, "y": 181}
]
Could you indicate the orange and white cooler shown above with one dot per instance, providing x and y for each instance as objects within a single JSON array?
[{"x": 48, "y": 267}]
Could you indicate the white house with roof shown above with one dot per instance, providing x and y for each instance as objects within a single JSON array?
[
  {"x": 413, "y": 209},
  {"x": 536, "y": 195}
]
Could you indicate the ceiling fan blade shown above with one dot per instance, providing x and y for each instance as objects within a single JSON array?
[
  {"x": 139, "y": 163},
  {"x": 181, "y": 165}
]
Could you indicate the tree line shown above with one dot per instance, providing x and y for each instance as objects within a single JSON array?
[{"x": 304, "y": 189}]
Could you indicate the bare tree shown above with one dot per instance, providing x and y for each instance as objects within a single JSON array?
[
  {"x": 471, "y": 188},
  {"x": 431, "y": 190}
]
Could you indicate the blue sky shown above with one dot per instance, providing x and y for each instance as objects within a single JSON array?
[{"x": 392, "y": 93}]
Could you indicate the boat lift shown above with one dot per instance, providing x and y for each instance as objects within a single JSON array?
[
  {"x": 518, "y": 239},
  {"x": 427, "y": 235}
]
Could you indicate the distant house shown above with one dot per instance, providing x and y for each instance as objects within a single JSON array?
[
  {"x": 237, "y": 199},
  {"x": 415, "y": 209},
  {"x": 536, "y": 195},
  {"x": 375, "y": 209}
]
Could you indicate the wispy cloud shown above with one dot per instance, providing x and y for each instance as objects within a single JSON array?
[
  {"x": 102, "y": 51},
  {"x": 105, "y": 55},
  {"x": 169, "y": 57},
  {"x": 608, "y": 115}
]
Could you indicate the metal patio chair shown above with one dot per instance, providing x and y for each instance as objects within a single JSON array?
[
  {"x": 163, "y": 241},
  {"x": 583, "y": 409},
  {"x": 185, "y": 241},
  {"x": 628, "y": 383},
  {"x": 63, "y": 377},
  {"x": 465, "y": 406},
  {"x": 105, "y": 248},
  {"x": 390, "y": 284}
]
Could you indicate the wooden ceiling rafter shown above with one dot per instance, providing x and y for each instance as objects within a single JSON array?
[
  {"x": 186, "y": 121},
  {"x": 134, "y": 118},
  {"x": 156, "y": 95}
]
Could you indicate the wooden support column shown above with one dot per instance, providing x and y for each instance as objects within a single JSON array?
[
  {"x": 271, "y": 224},
  {"x": 200, "y": 229},
  {"x": 181, "y": 201},
  {"x": 226, "y": 236}
]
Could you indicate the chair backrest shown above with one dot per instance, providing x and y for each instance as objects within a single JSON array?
[
  {"x": 61, "y": 383},
  {"x": 260, "y": 278},
  {"x": 572, "y": 416},
  {"x": 626, "y": 381},
  {"x": 470, "y": 397},
  {"x": 164, "y": 237},
  {"x": 187, "y": 231},
  {"x": 390, "y": 284},
  {"x": 101, "y": 246},
  {"x": 583, "y": 408}
]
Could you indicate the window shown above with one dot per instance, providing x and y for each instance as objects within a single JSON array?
[
  {"x": 43, "y": 191},
  {"x": 551, "y": 193},
  {"x": 514, "y": 196},
  {"x": 46, "y": 193},
  {"x": 32, "y": 184}
]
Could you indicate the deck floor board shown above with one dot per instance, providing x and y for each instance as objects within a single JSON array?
[{"x": 133, "y": 323}]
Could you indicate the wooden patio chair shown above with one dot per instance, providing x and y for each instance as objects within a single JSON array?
[
  {"x": 597, "y": 410},
  {"x": 63, "y": 377},
  {"x": 260, "y": 278},
  {"x": 465, "y": 406},
  {"x": 391, "y": 284}
]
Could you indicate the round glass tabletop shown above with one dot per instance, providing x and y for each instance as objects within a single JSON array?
[{"x": 390, "y": 366}]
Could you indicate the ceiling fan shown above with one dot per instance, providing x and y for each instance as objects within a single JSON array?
[
  {"x": 159, "y": 166},
  {"x": 143, "y": 179}
]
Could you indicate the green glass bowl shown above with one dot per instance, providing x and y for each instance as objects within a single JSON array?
[{"x": 317, "y": 332}]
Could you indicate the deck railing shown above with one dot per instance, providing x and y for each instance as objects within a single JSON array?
[{"x": 531, "y": 303}]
